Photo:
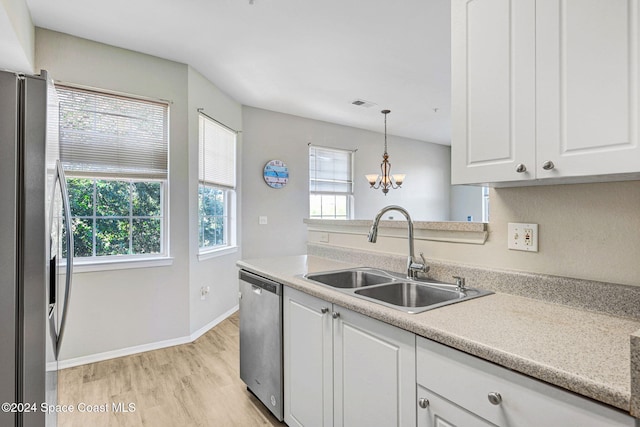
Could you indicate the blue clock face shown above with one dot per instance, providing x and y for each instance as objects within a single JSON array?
[{"x": 276, "y": 174}]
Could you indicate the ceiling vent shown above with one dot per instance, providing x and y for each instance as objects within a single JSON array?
[{"x": 363, "y": 103}]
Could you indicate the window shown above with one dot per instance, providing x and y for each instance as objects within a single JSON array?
[
  {"x": 114, "y": 152},
  {"x": 330, "y": 183},
  {"x": 216, "y": 188},
  {"x": 485, "y": 204},
  {"x": 116, "y": 217}
]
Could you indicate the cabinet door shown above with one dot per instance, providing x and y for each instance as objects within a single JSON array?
[
  {"x": 587, "y": 87},
  {"x": 438, "y": 412},
  {"x": 374, "y": 372},
  {"x": 493, "y": 90},
  {"x": 308, "y": 360}
]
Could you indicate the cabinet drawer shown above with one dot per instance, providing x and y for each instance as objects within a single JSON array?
[
  {"x": 439, "y": 412},
  {"x": 468, "y": 381}
]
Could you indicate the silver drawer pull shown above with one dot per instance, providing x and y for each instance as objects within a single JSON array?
[
  {"x": 335, "y": 314},
  {"x": 494, "y": 398},
  {"x": 548, "y": 165},
  {"x": 423, "y": 403},
  {"x": 520, "y": 168},
  {"x": 324, "y": 310}
]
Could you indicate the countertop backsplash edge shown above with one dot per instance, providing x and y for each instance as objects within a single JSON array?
[{"x": 607, "y": 298}]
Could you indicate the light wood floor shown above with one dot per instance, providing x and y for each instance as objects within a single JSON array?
[{"x": 195, "y": 384}]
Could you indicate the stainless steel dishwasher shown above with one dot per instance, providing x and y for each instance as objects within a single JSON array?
[{"x": 261, "y": 340}]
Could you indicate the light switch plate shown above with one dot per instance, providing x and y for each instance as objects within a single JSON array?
[
  {"x": 262, "y": 220},
  {"x": 522, "y": 237}
]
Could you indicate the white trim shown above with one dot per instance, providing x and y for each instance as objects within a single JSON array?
[
  {"x": 213, "y": 253},
  {"x": 120, "y": 264},
  {"x": 200, "y": 332},
  {"x": 99, "y": 357}
]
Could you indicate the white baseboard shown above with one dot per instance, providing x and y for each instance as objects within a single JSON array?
[
  {"x": 200, "y": 332},
  {"x": 99, "y": 357}
]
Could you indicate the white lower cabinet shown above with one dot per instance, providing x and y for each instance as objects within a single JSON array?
[
  {"x": 463, "y": 390},
  {"x": 345, "y": 369},
  {"x": 308, "y": 360},
  {"x": 434, "y": 411}
]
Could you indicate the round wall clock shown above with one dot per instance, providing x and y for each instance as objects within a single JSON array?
[{"x": 276, "y": 174}]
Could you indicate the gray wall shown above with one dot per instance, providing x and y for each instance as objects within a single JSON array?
[
  {"x": 269, "y": 135},
  {"x": 117, "y": 309},
  {"x": 219, "y": 273},
  {"x": 17, "y": 36},
  {"x": 466, "y": 200},
  {"x": 586, "y": 231}
]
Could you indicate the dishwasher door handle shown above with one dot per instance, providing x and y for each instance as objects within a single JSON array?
[
  {"x": 260, "y": 282},
  {"x": 256, "y": 289}
]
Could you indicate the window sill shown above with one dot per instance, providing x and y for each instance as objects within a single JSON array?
[
  {"x": 121, "y": 264},
  {"x": 214, "y": 253}
]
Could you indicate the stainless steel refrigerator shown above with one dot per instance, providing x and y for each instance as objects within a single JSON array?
[{"x": 36, "y": 250}]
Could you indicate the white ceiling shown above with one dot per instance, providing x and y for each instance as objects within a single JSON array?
[{"x": 301, "y": 57}]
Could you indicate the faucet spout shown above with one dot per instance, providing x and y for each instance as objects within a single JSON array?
[
  {"x": 413, "y": 267},
  {"x": 372, "y": 237}
]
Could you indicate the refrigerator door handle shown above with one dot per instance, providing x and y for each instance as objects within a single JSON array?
[
  {"x": 69, "y": 241},
  {"x": 53, "y": 283}
]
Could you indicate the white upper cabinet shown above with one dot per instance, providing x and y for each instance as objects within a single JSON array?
[
  {"x": 493, "y": 90},
  {"x": 587, "y": 87},
  {"x": 544, "y": 90}
]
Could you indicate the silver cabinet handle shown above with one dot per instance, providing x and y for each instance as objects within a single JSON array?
[
  {"x": 495, "y": 398},
  {"x": 520, "y": 168},
  {"x": 548, "y": 165},
  {"x": 423, "y": 403},
  {"x": 335, "y": 314},
  {"x": 324, "y": 310}
]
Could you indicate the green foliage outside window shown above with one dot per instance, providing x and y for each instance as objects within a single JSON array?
[
  {"x": 115, "y": 217},
  {"x": 211, "y": 210}
]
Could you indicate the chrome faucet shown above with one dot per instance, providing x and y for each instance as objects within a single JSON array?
[{"x": 413, "y": 267}]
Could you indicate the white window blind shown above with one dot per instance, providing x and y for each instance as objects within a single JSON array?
[
  {"x": 217, "y": 158},
  {"x": 330, "y": 170},
  {"x": 110, "y": 135}
]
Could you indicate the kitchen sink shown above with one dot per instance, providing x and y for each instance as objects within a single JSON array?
[
  {"x": 411, "y": 294},
  {"x": 352, "y": 278},
  {"x": 392, "y": 290}
]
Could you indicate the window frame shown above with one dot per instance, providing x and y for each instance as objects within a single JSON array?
[
  {"x": 206, "y": 252},
  {"x": 229, "y": 193},
  {"x": 126, "y": 261},
  {"x": 349, "y": 205},
  {"x": 94, "y": 217},
  {"x": 485, "y": 204}
]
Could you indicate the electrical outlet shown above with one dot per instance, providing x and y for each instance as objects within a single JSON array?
[
  {"x": 262, "y": 220},
  {"x": 204, "y": 291},
  {"x": 522, "y": 237}
]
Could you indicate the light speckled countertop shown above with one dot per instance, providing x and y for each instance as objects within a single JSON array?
[{"x": 585, "y": 352}]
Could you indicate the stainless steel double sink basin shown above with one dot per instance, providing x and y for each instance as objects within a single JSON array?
[{"x": 395, "y": 291}]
